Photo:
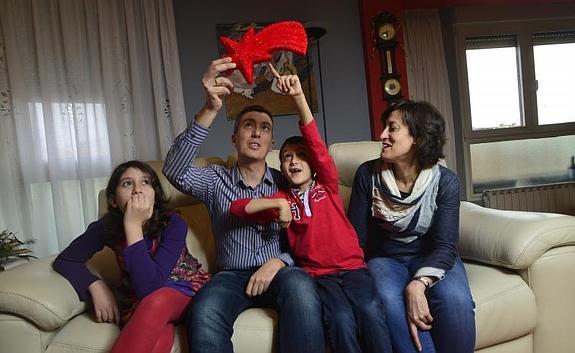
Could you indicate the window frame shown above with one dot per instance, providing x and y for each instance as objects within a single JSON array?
[{"x": 522, "y": 26}]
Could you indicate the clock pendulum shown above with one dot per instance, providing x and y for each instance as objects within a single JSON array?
[{"x": 385, "y": 29}]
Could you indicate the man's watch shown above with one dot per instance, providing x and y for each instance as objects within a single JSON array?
[{"x": 426, "y": 282}]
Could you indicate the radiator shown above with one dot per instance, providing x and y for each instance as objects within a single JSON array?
[{"x": 554, "y": 198}]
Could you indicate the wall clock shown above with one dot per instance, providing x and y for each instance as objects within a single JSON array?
[
  {"x": 392, "y": 87},
  {"x": 385, "y": 30}
]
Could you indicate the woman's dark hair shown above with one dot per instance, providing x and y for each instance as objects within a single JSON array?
[
  {"x": 113, "y": 220},
  {"x": 251, "y": 108},
  {"x": 427, "y": 127}
]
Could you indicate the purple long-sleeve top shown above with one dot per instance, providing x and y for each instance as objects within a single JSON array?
[{"x": 147, "y": 271}]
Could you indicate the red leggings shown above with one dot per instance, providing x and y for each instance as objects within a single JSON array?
[{"x": 151, "y": 328}]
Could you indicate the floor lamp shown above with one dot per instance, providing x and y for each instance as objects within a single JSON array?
[{"x": 313, "y": 35}]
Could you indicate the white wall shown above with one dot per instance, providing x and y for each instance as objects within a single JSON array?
[{"x": 344, "y": 86}]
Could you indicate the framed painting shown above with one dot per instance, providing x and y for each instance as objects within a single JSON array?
[{"x": 262, "y": 91}]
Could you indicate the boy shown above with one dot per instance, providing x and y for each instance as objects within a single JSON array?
[{"x": 321, "y": 239}]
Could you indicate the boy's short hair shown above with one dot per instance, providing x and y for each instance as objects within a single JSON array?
[
  {"x": 293, "y": 140},
  {"x": 251, "y": 108}
]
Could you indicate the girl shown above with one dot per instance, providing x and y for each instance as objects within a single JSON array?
[{"x": 158, "y": 275}]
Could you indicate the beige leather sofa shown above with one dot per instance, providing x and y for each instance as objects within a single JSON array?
[{"x": 521, "y": 268}]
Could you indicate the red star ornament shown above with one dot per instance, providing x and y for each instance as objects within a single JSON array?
[
  {"x": 246, "y": 53},
  {"x": 255, "y": 48}
]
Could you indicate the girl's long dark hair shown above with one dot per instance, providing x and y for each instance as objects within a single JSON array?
[{"x": 113, "y": 221}]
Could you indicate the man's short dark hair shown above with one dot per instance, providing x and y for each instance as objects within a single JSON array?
[
  {"x": 251, "y": 108},
  {"x": 427, "y": 127}
]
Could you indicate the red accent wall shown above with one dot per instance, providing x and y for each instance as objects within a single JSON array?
[{"x": 368, "y": 9}]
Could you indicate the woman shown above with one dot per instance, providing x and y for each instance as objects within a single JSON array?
[{"x": 405, "y": 209}]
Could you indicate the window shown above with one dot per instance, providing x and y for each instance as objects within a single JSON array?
[
  {"x": 514, "y": 163},
  {"x": 516, "y": 92},
  {"x": 494, "y": 103},
  {"x": 76, "y": 135},
  {"x": 554, "y": 55}
]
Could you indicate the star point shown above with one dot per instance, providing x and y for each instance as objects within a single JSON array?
[{"x": 246, "y": 53}]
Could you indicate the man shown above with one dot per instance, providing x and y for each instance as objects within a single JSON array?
[{"x": 255, "y": 270}]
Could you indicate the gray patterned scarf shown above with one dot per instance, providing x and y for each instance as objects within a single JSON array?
[{"x": 389, "y": 207}]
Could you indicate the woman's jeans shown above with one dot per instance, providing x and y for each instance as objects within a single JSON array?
[
  {"x": 292, "y": 293},
  {"x": 450, "y": 304}
]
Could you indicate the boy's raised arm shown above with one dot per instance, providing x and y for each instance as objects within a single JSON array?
[
  {"x": 321, "y": 161},
  {"x": 290, "y": 85}
]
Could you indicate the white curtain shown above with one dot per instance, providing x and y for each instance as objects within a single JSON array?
[
  {"x": 427, "y": 70},
  {"x": 84, "y": 85}
]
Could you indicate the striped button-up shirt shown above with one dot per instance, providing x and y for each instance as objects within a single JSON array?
[{"x": 240, "y": 244}]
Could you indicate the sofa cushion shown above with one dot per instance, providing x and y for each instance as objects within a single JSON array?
[
  {"x": 45, "y": 298},
  {"x": 253, "y": 332},
  {"x": 200, "y": 240},
  {"x": 19, "y": 335},
  {"x": 83, "y": 334},
  {"x": 514, "y": 239},
  {"x": 350, "y": 155},
  {"x": 505, "y": 305}
]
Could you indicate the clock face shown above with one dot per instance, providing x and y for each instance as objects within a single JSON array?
[
  {"x": 386, "y": 31},
  {"x": 392, "y": 86}
]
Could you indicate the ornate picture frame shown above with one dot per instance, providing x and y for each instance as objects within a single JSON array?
[{"x": 261, "y": 92}]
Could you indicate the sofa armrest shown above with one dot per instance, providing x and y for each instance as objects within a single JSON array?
[
  {"x": 37, "y": 293},
  {"x": 512, "y": 239}
]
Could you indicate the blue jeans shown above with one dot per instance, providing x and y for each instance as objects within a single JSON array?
[
  {"x": 450, "y": 303},
  {"x": 216, "y": 306},
  {"x": 354, "y": 317}
]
